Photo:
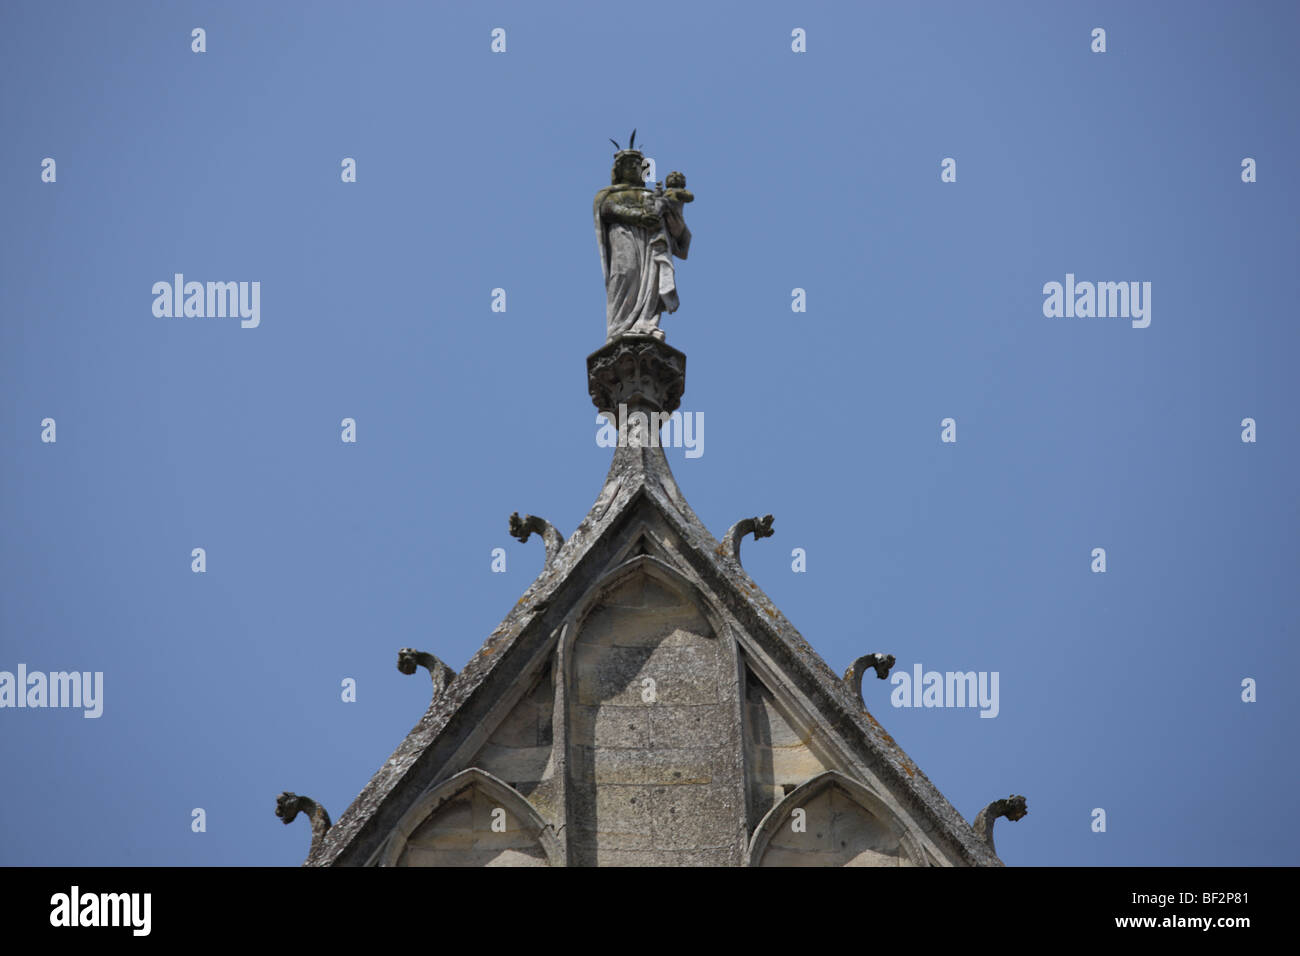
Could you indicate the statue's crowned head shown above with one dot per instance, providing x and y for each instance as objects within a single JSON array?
[{"x": 629, "y": 165}]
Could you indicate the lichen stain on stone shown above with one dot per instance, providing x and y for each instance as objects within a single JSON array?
[{"x": 885, "y": 734}]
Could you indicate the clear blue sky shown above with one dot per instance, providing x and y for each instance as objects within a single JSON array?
[{"x": 818, "y": 171}]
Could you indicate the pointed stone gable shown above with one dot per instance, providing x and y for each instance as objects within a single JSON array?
[{"x": 644, "y": 703}]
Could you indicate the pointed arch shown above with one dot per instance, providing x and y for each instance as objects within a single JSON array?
[
  {"x": 859, "y": 820},
  {"x": 425, "y": 812},
  {"x": 657, "y": 568},
  {"x": 642, "y": 538},
  {"x": 652, "y": 723}
]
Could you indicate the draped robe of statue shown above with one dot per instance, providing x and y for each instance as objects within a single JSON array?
[{"x": 637, "y": 262}]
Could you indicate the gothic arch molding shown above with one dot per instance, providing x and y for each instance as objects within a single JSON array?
[
  {"x": 654, "y": 567},
  {"x": 510, "y": 799},
  {"x": 806, "y": 792},
  {"x": 652, "y": 717}
]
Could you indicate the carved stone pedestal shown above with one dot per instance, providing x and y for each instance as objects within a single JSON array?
[{"x": 637, "y": 371}]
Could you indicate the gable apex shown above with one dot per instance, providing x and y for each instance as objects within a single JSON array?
[{"x": 640, "y": 523}]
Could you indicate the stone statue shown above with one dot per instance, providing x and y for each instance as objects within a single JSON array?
[{"x": 639, "y": 231}]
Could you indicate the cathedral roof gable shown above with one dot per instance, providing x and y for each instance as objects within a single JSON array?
[{"x": 638, "y": 497}]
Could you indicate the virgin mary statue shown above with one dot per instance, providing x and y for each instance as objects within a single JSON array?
[{"x": 638, "y": 231}]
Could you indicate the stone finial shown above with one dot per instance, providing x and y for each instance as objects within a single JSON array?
[
  {"x": 289, "y": 805},
  {"x": 858, "y": 669},
  {"x": 408, "y": 658},
  {"x": 528, "y": 525},
  {"x": 759, "y": 527},
  {"x": 1013, "y": 808}
]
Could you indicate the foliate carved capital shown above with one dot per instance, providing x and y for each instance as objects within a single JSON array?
[{"x": 636, "y": 371}]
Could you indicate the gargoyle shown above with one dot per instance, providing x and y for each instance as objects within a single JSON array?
[
  {"x": 759, "y": 527},
  {"x": 858, "y": 669},
  {"x": 408, "y": 658},
  {"x": 289, "y": 805},
  {"x": 1013, "y": 808},
  {"x": 522, "y": 528}
]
